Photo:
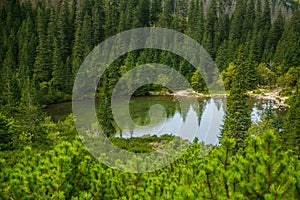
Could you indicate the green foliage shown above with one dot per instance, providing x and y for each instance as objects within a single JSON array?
[
  {"x": 286, "y": 92},
  {"x": 261, "y": 171},
  {"x": 198, "y": 83},
  {"x": 48, "y": 42},
  {"x": 6, "y": 132},
  {"x": 143, "y": 144},
  {"x": 42, "y": 47},
  {"x": 227, "y": 75},
  {"x": 290, "y": 78},
  {"x": 237, "y": 119},
  {"x": 265, "y": 75},
  {"x": 257, "y": 92},
  {"x": 291, "y": 135}
]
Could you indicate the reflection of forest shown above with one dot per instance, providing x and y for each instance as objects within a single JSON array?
[
  {"x": 140, "y": 106},
  {"x": 154, "y": 111}
]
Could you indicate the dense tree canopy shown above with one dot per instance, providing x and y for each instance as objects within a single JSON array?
[
  {"x": 50, "y": 40},
  {"x": 43, "y": 43}
]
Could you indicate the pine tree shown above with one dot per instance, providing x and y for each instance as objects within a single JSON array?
[
  {"x": 58, "y": 79},
  {"x": 198, "y": 83},
  {"x": 209, "y": 40},
  {"x": 237, "y": 20},
  {"x": 223, "y": 28},
  {"x": 87, "y": 34},
  {"x": 291, "y": 133},
  {"x": 167, "y": 14},
  {"x": 27, "y": 45},
  {"x": 65, "y": 27},
  {"x": 98, "y": 21},
  {"x": 247, "y": 28},
  {"x": 143, "y": 13},
  {"x": 155, "y": 11},
  {"x": 105, "y": 113},
  {"x": 256, "y": 49},
  {"x": 266, "y": 25},
  {"x": 237, "y": 119},
  {"x": 10, "y": 90},
  {"x": 42, "y": 63},
  {"x": 6, "y": 133},
  {"x": 112, "y": 17},
  {"x": 287, "y": 51},
  {"x": 223, "y": 56},
  {"x": 274, "y": 37},
  {"x": 82, "y": 44},
  {"x": 195, "y": 21}
]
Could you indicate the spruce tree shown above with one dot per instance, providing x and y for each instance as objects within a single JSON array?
[
  {"x": 291, "y": 133},
  {"x": 143, "y": 13},
  {"x": 98, "y": 22},
  {"x": 10, "y": 89},
  {"x": 256, "y": 48},
  {"x": 266, "y": 25},
  {"x": 42, "y": 65},
  {"x": 6, "y": 133},
  {"x": 155, "y": 12},
  {"x": 195, "y": 20},
  {"x": 27, "y": 45},
  {"x": 111, "y": 18},
  {"x": 65, "y": 27},
  {"x": 87, "y": 34},
  {"x": 237, "y": 119},
  {"x": 249, "y": 18},
  {"x": 287, "y": 51},
  {"x": 274, "y": 37},
  {"x": 237, "y": 20},
  {"x": 167, "y": 14},
  {"x": 58, "y": 75},
  {"x": 211, "y": 26}
]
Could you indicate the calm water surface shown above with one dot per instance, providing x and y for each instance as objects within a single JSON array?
[{"x": 158, "y": 115}]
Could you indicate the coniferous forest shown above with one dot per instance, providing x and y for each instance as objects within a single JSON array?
[{"x": 255, "y": 45}]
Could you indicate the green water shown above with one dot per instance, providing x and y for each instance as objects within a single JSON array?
[{"x": 158, "y": 115}]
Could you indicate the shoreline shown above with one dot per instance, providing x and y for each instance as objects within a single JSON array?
[{"x": 273, "y": 95}]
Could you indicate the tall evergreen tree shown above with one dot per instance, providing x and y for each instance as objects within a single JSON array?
[
  {"x": 223, "y": 28},
  {"x": 209, "y": 40},
  {"x": 58, "y": 78},
  {"x": 143, "y": 13},
  {"x": 98, "y": 18},
  {"x": 65, "y": 27},
  {"x": 27, "y": 45},
  {"x": 10, "y": 93},
  {"x": 83, "y": 42},
  {"x": 287, "y": 51},
  {"x": 237, "y": 21},
  {"x": 111, "y": 18},
  {"x": 247, "y": 27},
  {"x": 42, "y": 63},
  {"x": 256, "y": 49},
  {"x": 155, "y": 11},
  {"x": 291, "y": 133},
  {"x": 87, "y": 34},
  {"x": 167, "y": 14},
  {"x": 195, "y": 20},
  {"x": 6, "y": 133},
  {"x": 237, "y": 119},
  {"x": 266, "y": 25},
  {"x": 274, "y": 37}
]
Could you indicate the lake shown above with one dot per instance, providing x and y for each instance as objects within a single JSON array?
[{"x": 157, "y": 115}]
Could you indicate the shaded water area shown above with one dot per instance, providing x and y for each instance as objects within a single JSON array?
[{"x": 158, "y": 115}]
